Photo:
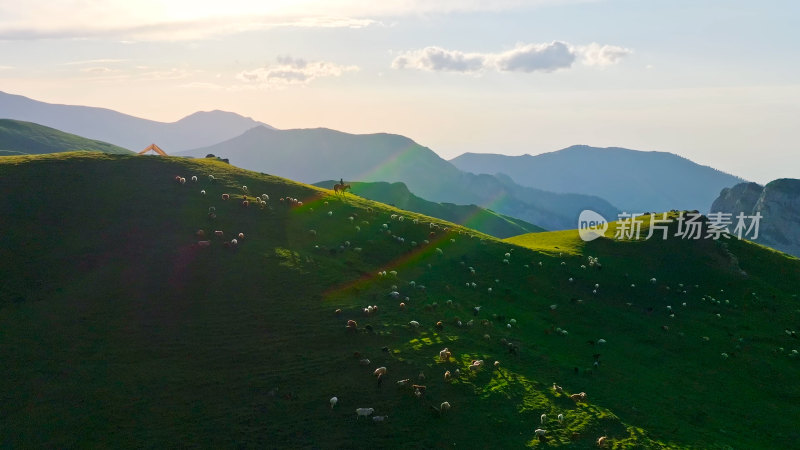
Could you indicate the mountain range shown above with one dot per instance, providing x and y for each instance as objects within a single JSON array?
[
  {"x": 635, "y": 181},
  {"x": 312, "y": 155},
  {"x": 198, "y": 129},
  {"x": 778, "y": 204}
]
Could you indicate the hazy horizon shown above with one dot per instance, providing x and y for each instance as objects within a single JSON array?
[{"x": 709, "y": 83}]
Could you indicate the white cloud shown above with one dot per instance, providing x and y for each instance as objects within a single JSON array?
[
  {"x": 536, "y": 58},
  {"x": 292, "y": 71},
  {"x": 546, "y": 57},
  {"x": 595, "y": 54},
  {"x": 439, "y": 59}
]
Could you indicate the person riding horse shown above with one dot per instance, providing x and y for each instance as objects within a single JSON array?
[{"x": 340, "y": 187}]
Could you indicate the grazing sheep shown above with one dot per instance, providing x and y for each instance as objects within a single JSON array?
[
  {"x": 445, "y": 406},
  {"x": 234, "y": 242},
  {"x": 581, "y": 397},
  {"x": 404, "y": 382},
  {"x": 194, "y": 178},
  {"x": 558, "y": 388},
  {"x": 334, "y": 401},
  {"x": 364, "y": 362},
  {"x": 379, "y": 371},
  {"x": 379, "y": 418},
  {"x": 219, "y": 233},
  {"x": 601, "y": 441},
  {"x": 540, "y": 432},
  {"x": 245, "y": 203},
  {"x": 445, "y": 354},
  {"x": 601, "y": 341},
  {"x": 183, "y": 180},
  {"x": 560, "y": 418},
  {"x": 203, "y": 243},
  {"x": 543, "y": 418},
  {"x": 352, "y": 324},
  {"x": 225, "y": 196},
  {"x": 476, "y": 364},
  {"x": 414, "y": 324},
  {"x": 496, "y": 364},
  {"x": 364, "y": 412},
  {"x": 447, "y": 376},
  {"x": 203, "y": 192}
]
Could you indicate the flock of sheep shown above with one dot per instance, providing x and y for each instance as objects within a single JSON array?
[{"x": 445, "y": 355}]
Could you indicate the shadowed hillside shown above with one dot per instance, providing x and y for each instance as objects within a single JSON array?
[
  {"x": 778, "y": 203},
  {"x": 18, "y": 138},
  {"x": 471, "y": 216},
  {"x": 120, "y": 329}
]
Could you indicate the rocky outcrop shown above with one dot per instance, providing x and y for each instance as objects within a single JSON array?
[{"x": 779, "y": 205}]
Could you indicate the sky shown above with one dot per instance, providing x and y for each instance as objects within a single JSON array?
[{"x": 716, "y": 81}]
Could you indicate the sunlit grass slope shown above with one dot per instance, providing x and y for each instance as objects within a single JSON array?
[{"x": 118, "y": 330}]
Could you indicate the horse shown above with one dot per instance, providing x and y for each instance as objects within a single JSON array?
[{"x": 341, "y": 187}]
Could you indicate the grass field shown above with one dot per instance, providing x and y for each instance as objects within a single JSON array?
[{"x": 118, "y": 330}]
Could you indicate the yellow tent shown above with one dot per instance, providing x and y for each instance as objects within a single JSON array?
[{"x": 154, "y": 148}]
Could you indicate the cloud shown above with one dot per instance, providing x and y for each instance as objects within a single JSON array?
[
  {"x": 292, "y": 71},
  {"x": 602, "y": 55},
  {"x": 527, "y": 58},
  {"x": 439, "y": 59},
  {"x": 536, "y": 58}
]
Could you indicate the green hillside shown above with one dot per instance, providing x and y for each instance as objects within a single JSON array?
[
  {"x": 470, "y": 216},
  {"x": 18, "y": 137},
  {"x": 119, "y": 330}
]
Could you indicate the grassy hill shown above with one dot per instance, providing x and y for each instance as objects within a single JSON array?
[
  {"x": 119, "y": 330},
  {"x": 471, "y": 216},
  {"x": 17, "y": 137}
]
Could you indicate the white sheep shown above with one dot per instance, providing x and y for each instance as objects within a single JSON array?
[
  {"x": 203, "y": 192},
  {"x": 439, "y": 251},
  {"x": 379, "y": 418},
  {"x": 540, "y": 432},
  {"x": 444, "y": 406},
  {"x": 379, "y": 371},
  {"x": 560, "y": 418},
  {"x": 234, "y": 242},
  {"x": 264, "y": 197},
  {"x": 334, "y": 401},
  {"x": 364, "y": 412},
  {"x": 543, "y": 418},
  {"x": 194, "y": 178},
  {"x": 414, "y": 324},
  {"x": 601, "y": 341}
]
